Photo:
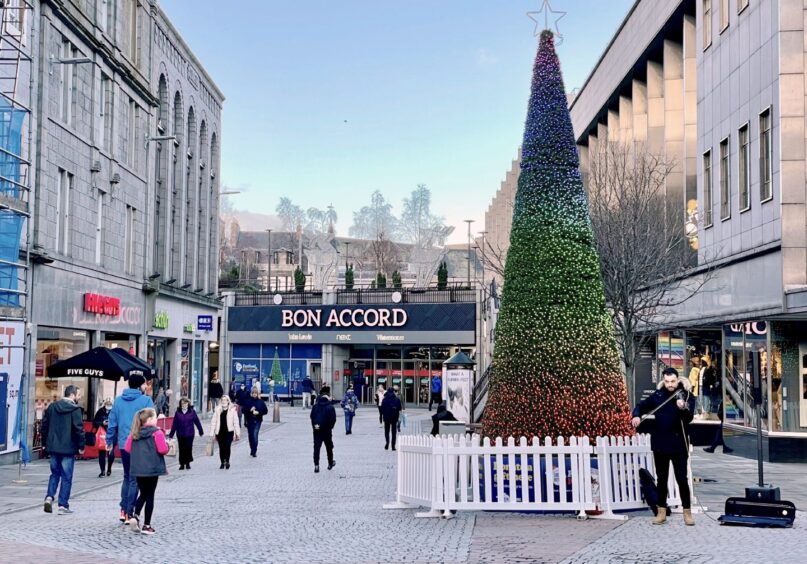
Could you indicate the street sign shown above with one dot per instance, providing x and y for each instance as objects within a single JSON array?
[{"x": 204, "y": 323}]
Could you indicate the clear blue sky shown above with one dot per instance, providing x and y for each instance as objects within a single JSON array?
[{"x": 433, "y": 91}]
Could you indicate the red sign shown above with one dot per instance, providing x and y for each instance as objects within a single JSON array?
[
  {"x": 336, "y": 375},
  {"x": 103, "y": 305}
]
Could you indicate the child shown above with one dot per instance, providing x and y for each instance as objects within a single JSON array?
[{"x": 147, "y": 447}]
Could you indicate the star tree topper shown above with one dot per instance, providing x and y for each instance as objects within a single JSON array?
[{"x": 542, "y": 17}]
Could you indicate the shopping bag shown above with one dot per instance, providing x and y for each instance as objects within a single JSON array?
[
  {"x": 173, "y": 447},
  {"x": 100, "y": 439},
  {"x": 209, "y": 448}
]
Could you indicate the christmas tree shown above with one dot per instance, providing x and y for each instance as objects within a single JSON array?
[
  {"x": 555, "y": 370},
  {"x": 276, "y": 374}
]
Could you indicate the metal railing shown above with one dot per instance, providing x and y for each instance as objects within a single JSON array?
[
  {"x": 408, "y": 295},
  {"x": 286, "y": 298}
]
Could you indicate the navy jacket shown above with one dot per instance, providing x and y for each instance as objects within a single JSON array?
[
  {"x": 184, "y": 422},
  {"x": 308, "y": 385},
  {"x": 668, "y": 435},
  {"x": 63, "y": 428},
  {"x": 258, "y": 404},
  {"x": 391, "y": 407},
  {"x": 323, "y": 414},
  {"x": 443, "y": 414}
]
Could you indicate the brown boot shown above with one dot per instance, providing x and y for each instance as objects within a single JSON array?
[
  {"x": 661, "y": 516},
  {"x": 688, "y": 519}
]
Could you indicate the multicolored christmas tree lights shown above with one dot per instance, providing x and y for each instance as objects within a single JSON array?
[{"x": 555, "y": 366}]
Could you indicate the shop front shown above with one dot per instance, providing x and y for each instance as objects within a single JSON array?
[
  {"x": 179, "y": 341},
  {"x": 400, "y": 345}
]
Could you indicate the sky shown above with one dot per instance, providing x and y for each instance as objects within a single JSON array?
[{"x": 330, "y": 100}]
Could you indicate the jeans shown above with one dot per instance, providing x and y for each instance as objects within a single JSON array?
[
  {"x": 215, "y": 403},
  {"x": 320, "y": 438},
  {"x": 61, "y": 470},
  {"x": 147, "y": 485},
  {"x": 391, "y": 426},
  {"x": 349, "y": 421},
  {"x": 253, "y": 430},
  {"x": 679, "y": 462},
  {"x": 128, "y": 489}
]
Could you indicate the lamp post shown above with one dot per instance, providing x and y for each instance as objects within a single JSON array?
[
  {"x": 269, "y": 260},
  {"x": 469, "y": 222}
]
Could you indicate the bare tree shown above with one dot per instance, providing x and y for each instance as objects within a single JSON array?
[
  {"x": 646, "y": 256},
  {"x": 385, "y": 253}
]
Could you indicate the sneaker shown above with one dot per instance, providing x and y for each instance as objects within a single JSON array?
[
  {"x": 316, "y": 469},
  {"x": 134, "y": 523},
  {"x": 147, "y": 530},
  {"x": 727, "y": 450},
  {"x": 227, "y": 465},
  {"x": 109, "y": 472},
  {"x": 331, "y": 464},
  {"x": 187, "y": 467},
  {"x": 123, "y": 517},
  {"x": 222, "y": 466},
  {"x": 709, "y": 449},
  {"x": 48, "y": 505},
  {"x": 65, "y": 510},
  {"x": 101, "y": 475},
  {"x": 386, "y": 447}
]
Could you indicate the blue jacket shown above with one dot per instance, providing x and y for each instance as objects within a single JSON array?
[
  {"x": 122, "y": 415},
  {"x": 350, "y": 402},
  {"x": 308, "y": 385},
  {"x": 437, "y": 385}
]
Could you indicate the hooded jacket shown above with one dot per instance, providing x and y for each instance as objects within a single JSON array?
[
  {"x": 62, "y": 428},
  {"x": 391, "y": 407},
  {"x": 669, "y": 433},
  {"x": 323, "y": 414},
  {"x": 147, "y": 453},
  {"x": 443, "y": 414},
  {"x": 123, "y": 411}
]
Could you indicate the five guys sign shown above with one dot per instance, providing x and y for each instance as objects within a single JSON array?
[{"x": 103, "y": 305}]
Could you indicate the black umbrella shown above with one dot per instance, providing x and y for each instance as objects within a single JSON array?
[
  {"x": 150, "y": 372},
  {"x": 100, "y": 362}
]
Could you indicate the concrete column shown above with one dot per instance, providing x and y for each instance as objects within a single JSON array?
[
  {"x": 674, "y": 118},
  {"x": 582, "y": 151},
  {"x": 655, "y": 107},
  {"x": 639, "y": 107},
  {"x": 691, "y": 128},
  {"x": 625, "y": 119},
  {"x": 613, "y": 125}
]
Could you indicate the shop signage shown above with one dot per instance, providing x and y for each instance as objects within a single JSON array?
[
  {"x": 752, "y": 328},
  {"x": 103, "y": 305},
  {"x": 188, "y": 328},
  {"x": 161, "y": 320},
  {"x": 204, "y": 322},
  {"x": 359, "y": 317}
]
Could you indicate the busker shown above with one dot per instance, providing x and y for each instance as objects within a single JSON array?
[
  {"x": 674, "y": 407},
  {"x": 254, "y": 410},
  {"x": 391, "y": 411},
  {"x": 349, "y": 404},
  {"x": 323, "y": 420},
  {"x": 100, "y": 423},
  {"x": 63, "y": 436},
  {"x": 147, "y": 448},
  {"x": 225, "y": 427},
  {"x": 120, "y": 424},
  {"x": 443, "y": 414},
  {"x": 185, "y": 419}
]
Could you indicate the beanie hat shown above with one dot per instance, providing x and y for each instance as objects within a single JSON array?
[{"x": 135, "y": 381}]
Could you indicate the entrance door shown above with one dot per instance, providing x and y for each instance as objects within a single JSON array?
[{"x": 315, "y": 373}]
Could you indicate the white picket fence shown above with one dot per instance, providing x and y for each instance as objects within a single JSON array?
[{"x": 460, "y": 472}]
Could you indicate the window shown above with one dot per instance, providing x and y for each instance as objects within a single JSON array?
[
  {"x": 99, "y": 227},
  {"x": 128, "y": 242},
  {"x": 63, "y": 199},
  {"x": 741, "y": 5},
  {"x": 707, "y": 188},
  {"x": 105, "y": 113},
  {"x": 725, "y": 185},
  {"x": 67, "y": 79},
  {"x": 132, "y": 117},
  {"x": 745, "y": 192},
  {"x": 707, "y": 23},
  {"x": 131, "y": 28},
  {"x": 765, "y": 157},
  {"x": 724, "y": 14}
]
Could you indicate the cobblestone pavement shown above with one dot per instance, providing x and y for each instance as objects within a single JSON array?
[{"x": 275, "y": 509}]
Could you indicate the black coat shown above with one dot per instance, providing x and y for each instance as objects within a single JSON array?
[
  {"x": 260, "y": 407},
  {"x": 63, "y": 428},
  {"x": 323, "y": 414},
  {"x": 442, "y": 414},
  {"x": 215, "y": 390},
  {"x": 391, "y": 407},
  {"x": 101, "y": 418},
  {"x": 671, "y": 426}
]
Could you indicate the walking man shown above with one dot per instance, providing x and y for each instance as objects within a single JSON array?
[
  {"x": 674, "y": 407},
  {"x": 308, "y": 389},
  {"x": 254, "y": 410},
  {"x": 390, "y": 411},
  {"x": 123, "y": 412},
  {"x": 323, "y": 419},
  {"x": 63, "y": 437},
  {"x": 437, "y": 392},
  {"x": 215, "y": 391}
]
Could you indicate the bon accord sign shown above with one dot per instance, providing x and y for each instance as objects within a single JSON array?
[{"x": 355, "y": 324}]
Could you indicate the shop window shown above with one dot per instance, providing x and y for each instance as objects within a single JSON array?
[
  {"x": 704, "y": 371},
  {"x": 746, "y": 373},
  {"x": 788, "y": 389},
  {"x": 53, "y": 345}
]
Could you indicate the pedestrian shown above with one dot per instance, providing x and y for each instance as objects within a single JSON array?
[
  {"x": 443, "y": 414},
  {"x": 402, "y": 416},
  {"x": 225, "y": 428},
  {"x": 233, "y": 391},
  {"x": 120, "y": 425},
  {"x": 391, "y": 410},
  {"x": 63, "y": 436},
  {"x": 323, "y": 420},
  {"x": 674, "y": 407},
  {"x": 349, "y": 404},
  {"x": 100, "y": 423},
  {"x": 241, "y": 397},
  {"x": 147, "y": 448},
  {"x": 185, "y": 419},
  {"x": 437, "y": 392},
  {"x": 271, "y": 391},
  {"x": 379, "y": 397},
  {"x": 215, "y": 391},
  {"x": 254, "y": 410},
  {"x": 161, "y": 402},
  {"x": 308, "y": 390},
  {"x": 718, "y": 441}
]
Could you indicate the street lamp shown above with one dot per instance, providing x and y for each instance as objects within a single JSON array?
[
  {"x": 269, "y": 260},
  {"x": 469, "y": 222}
]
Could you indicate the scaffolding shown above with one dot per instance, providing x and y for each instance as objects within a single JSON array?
[{"x": 17, "y": 38}]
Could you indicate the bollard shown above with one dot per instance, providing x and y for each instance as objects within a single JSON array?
[{"x": 276, "y": 413}]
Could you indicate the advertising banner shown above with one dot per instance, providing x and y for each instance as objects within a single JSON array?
[
  {"x": 12, "y": 335},
  {"x": 457, "y": 392}
]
